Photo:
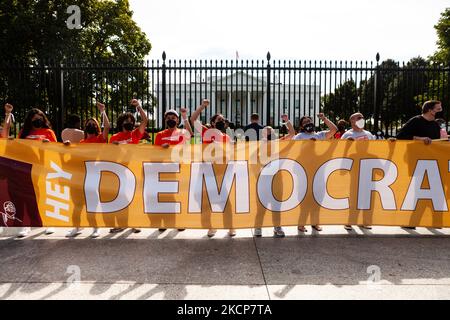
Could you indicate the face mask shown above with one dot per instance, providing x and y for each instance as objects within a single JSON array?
[
  {"x": 171, "y": 123},
  {"x": 128, "y": 126},
  {"x": 38, "y": 123},
  {"x": 442, "y": 126},
  {"x": 220, "y": 126},
  {"x": 360, "y": 123},
  {"x": 308, "y": 127},
  {"x": 90, "y": 129}
]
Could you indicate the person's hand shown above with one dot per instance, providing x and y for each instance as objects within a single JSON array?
[
  {"x": 351, "y": 139},
  {"x": 392, "y": 139},
  {"x": 284, "y": 117},
  {"x": 321, "y": 116},
  {"x": 115, "y": 142},
  {"x": 45, "y": 140},
  {"x": 8, "y": 108},
  {"x": 183, "y": 112},
  {"x": 135, "y": 103},
  {"x": 205, "y": 103},
  {"x": 165, "y": 145},
  {"x": 427, "y": 141},
  {"x": 313, "y": 139},
  {"x": 101, "y": 107},
  {"x": 67, "y": 143}
]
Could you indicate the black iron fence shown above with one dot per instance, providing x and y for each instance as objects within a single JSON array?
[{"x": 387, "y": 93}]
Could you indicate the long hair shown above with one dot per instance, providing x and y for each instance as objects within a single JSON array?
[
  {"x": 96, "y": 123},
  {"x": 121, "y": 119},
  {"x": 28, "y": 126},
  {"x": 214, "y": 117}
]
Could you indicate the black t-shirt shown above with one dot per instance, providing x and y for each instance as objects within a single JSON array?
[
  {"x": 418, "y": 126},
  {"x": 254, "y": 126}
]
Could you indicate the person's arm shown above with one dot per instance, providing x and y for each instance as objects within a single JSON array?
[
  {"x": 106, "y": 124},
  {"x": 186, "y": 123},
  {"x": 332, "y": 128},
  {"x": 196, "y": 114},
  {"x": 158, "y": 141},
  {"x": 291, "y": 130},
  {"x": 347, "y": 136},
  {"x": 7, "y": 122},
  {"x": 425, "y": 140},
  {"x": 144, "y": 119}
]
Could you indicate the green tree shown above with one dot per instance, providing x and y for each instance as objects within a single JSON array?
[
  {"x": 442, "y": 55},
  {"x": 343, "y": 102},
  {"x": 37, "y": 30},
  {"x": 36, "y": 33}
]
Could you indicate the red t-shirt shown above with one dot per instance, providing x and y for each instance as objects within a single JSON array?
[
  {"x": 127, "y": 137},
  {"x": 95, "y": 139},
  {"x": 171, "y": 136},
  {"x": 40, "y": 134},
  {"x": 213, "y": 135}
]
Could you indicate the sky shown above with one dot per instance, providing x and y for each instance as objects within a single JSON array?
[{"x": 290, "y": 29}]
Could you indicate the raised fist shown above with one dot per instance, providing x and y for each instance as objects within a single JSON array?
[
  {"x": 8, "y": 108},
  {"x": 101, "y": 107},
  {"x": 135, "y": 103},
  {"x": 205, "y": 103}
]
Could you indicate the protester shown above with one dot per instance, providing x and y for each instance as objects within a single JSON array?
[
  {"x": 253, "y": 129},
  {"x": 423, "y": 127},
  {"x": 357, "y": 132},
  {"x": 92, "y": 134},
  {"x": 128, "y": 135},
  {"x": 268, "y": 134},
  {"x": 210, "y": 135},
  {"x": 342, "y": 127},
  {"x": 307, "y": 132},
  {"x": 73, "y": 133},
  {"x": 173, "y": 135},
  {"x": 217, "y": 123},
  {"x": 36, "y": 127}
]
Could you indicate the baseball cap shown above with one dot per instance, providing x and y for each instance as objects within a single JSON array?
[{"x": 171, "y": 111}]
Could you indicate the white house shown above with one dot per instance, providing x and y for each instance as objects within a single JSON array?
[{"x": 238, "y": 95}]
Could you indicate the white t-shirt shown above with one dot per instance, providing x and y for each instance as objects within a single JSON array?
[
  {"x": 363, "y": 135},
  {"x": 308, "y": 136}
]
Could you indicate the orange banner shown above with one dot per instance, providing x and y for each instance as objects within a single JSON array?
[{"x": 401, "y": 183}]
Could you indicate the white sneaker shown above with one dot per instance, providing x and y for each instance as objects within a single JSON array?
[
  {"x": 278, "y": 232},
  {"x": 24, "y": 232},
  {"x": 95, "y": 233},
  {"x": 212, "y": 232},
  {"x": 257, "y": 232},
  {"x": 73, "y": 233},
  {"x": 49, "y": 231}
]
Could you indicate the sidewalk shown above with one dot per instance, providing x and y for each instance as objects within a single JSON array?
[{"x": 413, "y": 264}]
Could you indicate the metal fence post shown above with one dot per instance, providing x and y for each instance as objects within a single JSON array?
[
  {"x": 268, "y": 91},
  {"x": 375, "y": 95},
  {"x": 62, "y": 107},
  {"x": 164, "y": 89}
]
